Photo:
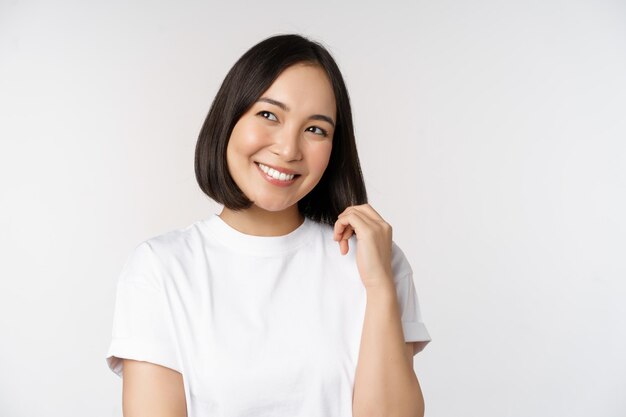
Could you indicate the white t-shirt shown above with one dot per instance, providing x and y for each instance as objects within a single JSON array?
[{"x": 257, "y": 326}]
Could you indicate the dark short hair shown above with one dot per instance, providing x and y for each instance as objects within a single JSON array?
[{"x": 341, "y": 184}]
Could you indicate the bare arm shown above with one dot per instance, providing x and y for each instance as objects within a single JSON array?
[
  {"x": 150, "y": 390},
  {"x": 385, "y": 383}
]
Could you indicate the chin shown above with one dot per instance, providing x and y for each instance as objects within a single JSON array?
[{"x": 272, "y": 206}]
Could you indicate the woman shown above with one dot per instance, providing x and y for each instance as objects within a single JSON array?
[{"x": 294, "y": 300}]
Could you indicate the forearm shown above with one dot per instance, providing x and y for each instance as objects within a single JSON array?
[{"x": 385, "y": 383}]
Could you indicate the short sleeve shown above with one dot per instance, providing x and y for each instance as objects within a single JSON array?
[
  {"x": 141, "y": 322},
  {"x": 412, "y": 324}
]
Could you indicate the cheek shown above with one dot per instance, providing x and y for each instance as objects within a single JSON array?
[
  {"x": 320, "y": 156},
  {"x": 247, "y": 139}
]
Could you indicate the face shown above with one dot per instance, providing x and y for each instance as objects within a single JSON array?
[{"x": 280, "y": 147}]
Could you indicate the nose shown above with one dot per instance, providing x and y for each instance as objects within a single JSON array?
[{"x": 287, "y": 145}]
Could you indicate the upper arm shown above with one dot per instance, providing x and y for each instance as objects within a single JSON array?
[
  {"x": 150, "y": 390},
  {"x": 408, "y": 351}
]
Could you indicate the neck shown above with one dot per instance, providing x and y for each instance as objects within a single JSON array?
[{"x": 258, "y": 222}]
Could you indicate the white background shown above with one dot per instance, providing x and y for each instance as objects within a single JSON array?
[{"x": 492, "y": 137}]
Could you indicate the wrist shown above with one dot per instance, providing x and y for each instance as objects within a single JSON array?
[{"x": 382, "y": 288}]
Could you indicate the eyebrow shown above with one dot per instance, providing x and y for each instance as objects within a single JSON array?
[{"x": 286, "y": 108}]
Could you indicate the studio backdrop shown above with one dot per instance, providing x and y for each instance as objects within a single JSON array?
[{"x": 492, "y": 138}]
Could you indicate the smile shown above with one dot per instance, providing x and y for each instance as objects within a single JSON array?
[{"x": 277, "y": 175}]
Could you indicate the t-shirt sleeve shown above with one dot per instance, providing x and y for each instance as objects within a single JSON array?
[
  {"x": 411, "y": 316},
  {"x": 141, "y": 323}
]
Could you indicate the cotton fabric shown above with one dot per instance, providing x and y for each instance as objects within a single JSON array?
[{"x": 257, "y": 326}]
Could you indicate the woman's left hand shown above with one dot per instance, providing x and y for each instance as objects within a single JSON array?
[{"x": 373, "y": 253}]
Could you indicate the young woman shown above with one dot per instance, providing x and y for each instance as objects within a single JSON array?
[{"x": 294, "y": 300}]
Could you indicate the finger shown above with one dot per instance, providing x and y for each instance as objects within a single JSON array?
[
  {"x": 345, "y": 238},
  {"x": 372, "y": 217},
  {"x": 347, "y": 233},
  {"x": 343, "y": 247},
  {"x": 352, "y": 218},
  {"x": 340, "y": 226},
  {"x": 355, "y": 220},
  {"x": 370, "y": 212},
  {"x": 344, "y": 232}
]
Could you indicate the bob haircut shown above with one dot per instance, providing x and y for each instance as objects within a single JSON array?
[{"x": 342, "y": 183}]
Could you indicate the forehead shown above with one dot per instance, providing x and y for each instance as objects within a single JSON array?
[{"x": 304, "y": 88}]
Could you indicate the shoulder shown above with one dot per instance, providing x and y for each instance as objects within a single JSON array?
[
  {"x": 149, "y": 258},
  {"x": 399, "y": 262},
  {"x": 325, "y": 233},
  {"x": 176, "y": 243}
]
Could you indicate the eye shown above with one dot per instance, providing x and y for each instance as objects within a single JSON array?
[
  {"x": 268, "y": 115},
  {"x": 318, "y": 131}
]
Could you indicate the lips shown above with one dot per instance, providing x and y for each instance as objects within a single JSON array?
[
  {"x": 285, "y": 171},
  {"x": 284, "y": 182},
  {"x": 282, "y": 174}
]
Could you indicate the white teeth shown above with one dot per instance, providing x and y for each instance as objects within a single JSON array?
[{"x": 281, "y": 176}]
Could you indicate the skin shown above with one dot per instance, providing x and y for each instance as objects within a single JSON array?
[
  {"x": 150, "y": 390},
  {"x": 292, "y": 127},
  {"x": 281, "y": 138}
]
